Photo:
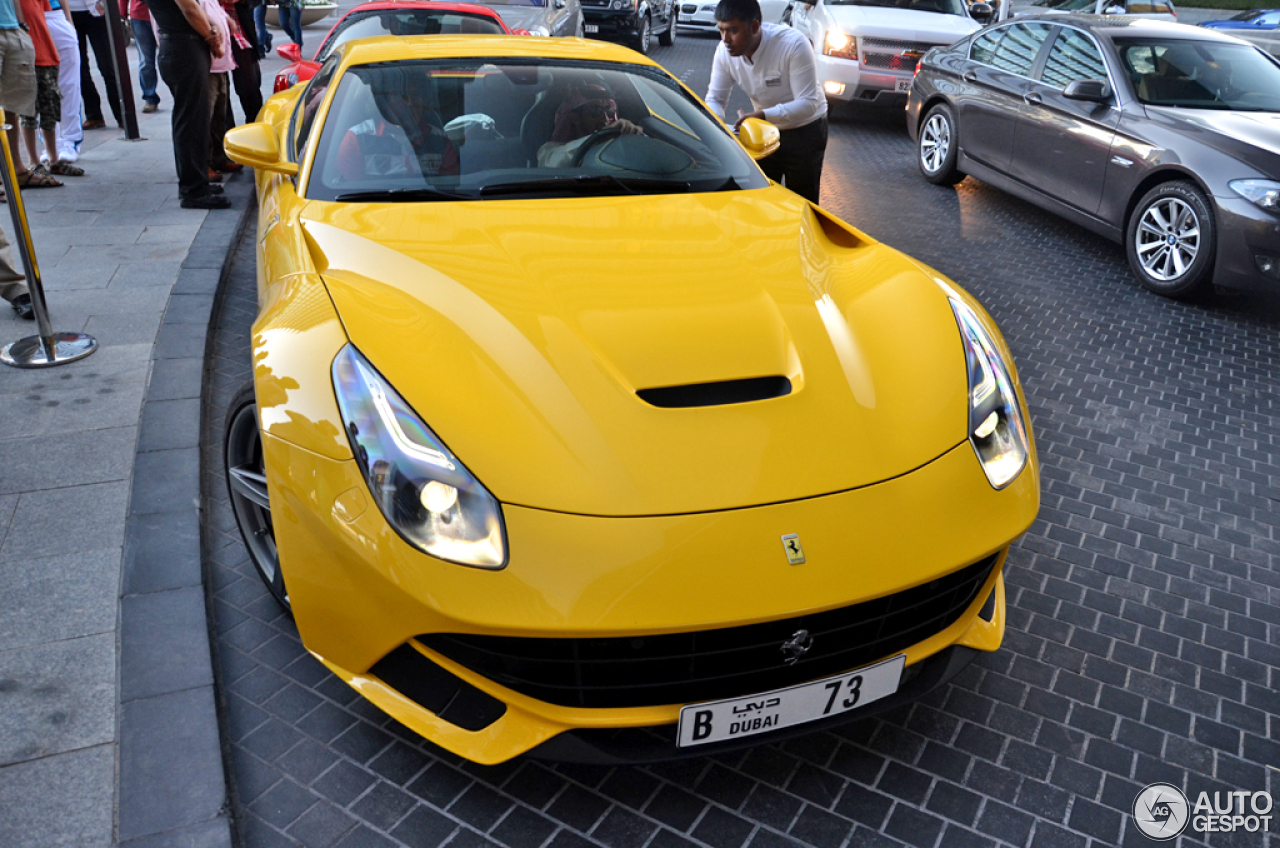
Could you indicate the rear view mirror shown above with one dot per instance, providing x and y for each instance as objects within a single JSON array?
[
  {"x": 255, "y": 145},
  {"x": 982, "y": 12},
  {"x": 290, "y": 51},
  {"x": 759, "y": 138},
  {"x": 1095, "y": 91}
]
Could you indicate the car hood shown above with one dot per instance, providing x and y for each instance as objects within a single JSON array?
[
  {"x": 1252, "y": 137},
  {"x": 902, "y": 24},
  {"x": 524, "y": 17},
  {"x": 522, "y": 331}
]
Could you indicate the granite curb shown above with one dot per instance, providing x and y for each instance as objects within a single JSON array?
[{"x": 172, "y": 786}]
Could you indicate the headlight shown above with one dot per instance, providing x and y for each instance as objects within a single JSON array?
[
  {"x": 540, "y": 30},
  {"x": 840, "y": 44},
  {"x": 424, "y": 492},
  {"x": 1265, "y": 194},
  {"x": 996, "y": 430}
]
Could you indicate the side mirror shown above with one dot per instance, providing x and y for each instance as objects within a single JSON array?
[
  {"x": 1095, "y": 91},
  {"x": 255, "y": 145},
  {"x": 560, "y": 4},
  {"x": 759, "y": 138},
  {"x": 982, "y": 12},
  {"x": 290, "y": 51}
]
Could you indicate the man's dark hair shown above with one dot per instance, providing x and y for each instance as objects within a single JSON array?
[{"x": 742, "y": 10}]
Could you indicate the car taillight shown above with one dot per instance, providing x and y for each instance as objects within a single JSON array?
[{"x": 919, "y": 65}]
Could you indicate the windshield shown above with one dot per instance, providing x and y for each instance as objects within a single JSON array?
[
  {"x": 474, "y": 129},
  {"x": 1246, "y": 16},
  {"x": 407, "y": 22},
  {"x": 941, "y": 7},
  {"x": 1201, "y": 74},
  {"x": 1062, "y": 4}
]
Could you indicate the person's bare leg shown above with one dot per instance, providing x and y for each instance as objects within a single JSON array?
[
  {"x": 29, "y": 143},
  {"x": 14, "y": 150},
  {"x": 50, "y": 137}
]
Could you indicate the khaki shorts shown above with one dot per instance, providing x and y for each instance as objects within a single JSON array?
[{"x": 17, "y": 72}]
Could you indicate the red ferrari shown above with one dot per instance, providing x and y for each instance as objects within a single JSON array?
[{"x": 389, "y": 17}]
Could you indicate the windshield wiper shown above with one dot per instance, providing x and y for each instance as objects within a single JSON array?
[
  {"x": 728, "y": 185},
  {"x": 401, "y": 195},
  {"x": 584, "y": 183}
]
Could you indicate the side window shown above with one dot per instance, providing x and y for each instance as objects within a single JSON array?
[
  {"x": 1271, "y": 19},
  {"x": 1017, "y": 52},
  {"x": 984, "y": 46},
  {"x": 1073, "y": 56},
  {"x": 304, "y": 116}
]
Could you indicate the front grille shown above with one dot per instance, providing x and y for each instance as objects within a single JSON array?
[
  {"x": 890, "y": 61},
  {"x": 890, "y": 54},
  {"x": 681, "y": 668},
  {"x": 688, "y": 8},
  {"x": 604, "y": 4}
]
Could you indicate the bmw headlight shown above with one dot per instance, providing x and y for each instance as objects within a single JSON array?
[
  {"x": 1265, "y": 194},
  {"x": 424, "y": 492},
  {"x": 540, "y": 30},
  {"x": 996, "y": 429}
]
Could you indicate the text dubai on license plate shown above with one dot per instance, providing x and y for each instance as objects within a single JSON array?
[{"x": 734, "y": 718}]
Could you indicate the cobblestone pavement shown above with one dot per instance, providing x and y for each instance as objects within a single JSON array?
[{"x": 1143, "y": 641}]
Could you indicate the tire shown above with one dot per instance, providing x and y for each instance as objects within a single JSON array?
[
  {"x": 1171, "y": 240},
  {"x": 644, "y": 40},
  {"x": 247, "y": 487},
  {"x": 938, "y": 145},
  {"x": 668, "y": 38}
]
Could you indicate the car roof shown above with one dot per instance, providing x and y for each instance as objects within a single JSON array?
[
  {"x": 376, "y": 5},
  {"x": 396, "y": 48},
  {"x": 1123, "y": 26}
]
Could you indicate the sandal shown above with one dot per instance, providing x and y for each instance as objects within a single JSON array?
[
  {"x": 34, "y": 178},
  {"x": 66, "y": 169}
]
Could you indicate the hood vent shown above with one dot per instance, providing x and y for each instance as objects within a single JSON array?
[{"x": 716, "y": 394}]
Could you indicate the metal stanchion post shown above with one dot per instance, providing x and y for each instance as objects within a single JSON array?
[{"x": 48, "y": 348}]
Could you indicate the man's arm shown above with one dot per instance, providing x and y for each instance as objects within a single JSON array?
[
  {"x": 200, "y": 23},
  {"x": 808, "y": 99},
  {"x": 721, "y": 82}
]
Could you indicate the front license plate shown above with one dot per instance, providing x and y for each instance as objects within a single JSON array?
[
  {"x": 903, "y": 85},
  {"x": 590, "y": 27},
  {"x": 701, "y": 724}
]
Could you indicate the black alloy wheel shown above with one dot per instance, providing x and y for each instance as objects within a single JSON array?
[
  {"x": 938, "y": 146},
  {"x": 668, "y": 38},
  {"x": 247, "y": 485},
  {"x": 1171, "y": 240}
]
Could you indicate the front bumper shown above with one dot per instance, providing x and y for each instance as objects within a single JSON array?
[
  {"x": 846, "y": 80},
  {"x": 1248, "y": 242},
  {"x": 621, "y": 25},
  {"x": 360, "y": 593}
]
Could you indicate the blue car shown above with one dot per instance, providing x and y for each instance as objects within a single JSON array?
[{"x": 1255, "y": 19}]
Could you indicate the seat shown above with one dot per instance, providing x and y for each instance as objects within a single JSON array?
[{"x": 539, "y": 122}]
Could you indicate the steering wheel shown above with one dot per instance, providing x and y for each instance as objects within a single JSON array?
[{"x": 595, "y": 139}]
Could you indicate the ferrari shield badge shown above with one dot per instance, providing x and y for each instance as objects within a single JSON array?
[{"x": 795, "y": 553}]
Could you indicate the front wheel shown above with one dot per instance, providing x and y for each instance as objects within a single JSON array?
[
  {"x": 668, "y": 38},
  {"x": 1170, "y": 240},
  {"x": 939, "y": 144},
  {"x": 645, "y": 38},
  {"x": 247, "y": 486}
]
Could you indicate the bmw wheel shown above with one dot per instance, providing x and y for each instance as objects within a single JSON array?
[
  {"x": 247, "y": 486},
  {"x": 1171, "y": 239},
  {"x": 668, "y": 38},
  {"x": 939, "y": 144},
  {"x": 645, "y": 39}
]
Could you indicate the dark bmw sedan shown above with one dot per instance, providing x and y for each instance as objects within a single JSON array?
[{"x": 1161, "y": 136}]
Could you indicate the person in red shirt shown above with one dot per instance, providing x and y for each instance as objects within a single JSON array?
[
  {"x": 48, "y": 105},
  {"x": 144, "y": 37}
]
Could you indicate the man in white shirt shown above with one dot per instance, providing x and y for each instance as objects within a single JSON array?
[{"x": 774, "y": 65}]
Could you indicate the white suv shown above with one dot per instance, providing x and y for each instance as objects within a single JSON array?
[{"x": 868, "y": 49}]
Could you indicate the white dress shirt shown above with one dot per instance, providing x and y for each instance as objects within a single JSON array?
[{"x": 781, "y": 78}]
